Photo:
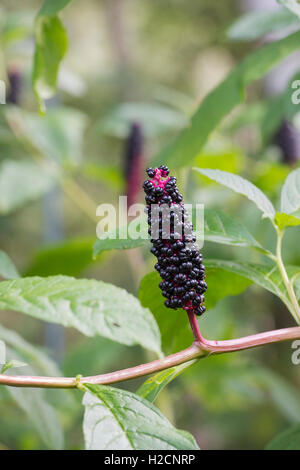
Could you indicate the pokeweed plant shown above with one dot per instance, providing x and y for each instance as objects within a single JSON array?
[{"x": 94, "y": 307}]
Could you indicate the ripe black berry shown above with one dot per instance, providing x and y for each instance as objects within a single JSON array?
[{"x": 179, "y": 260}]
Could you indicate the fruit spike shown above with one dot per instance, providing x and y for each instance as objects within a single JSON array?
[{"x": 179, "y": 260}]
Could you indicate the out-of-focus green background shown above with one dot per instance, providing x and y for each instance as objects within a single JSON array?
[{"x": 148, "y": 63}]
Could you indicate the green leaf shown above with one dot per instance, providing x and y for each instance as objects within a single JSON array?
[
  {"x": 7, "y": 268},
  {"x": 221, "y": 284},
  {"x": 51, "y": 43},
  {"x": 292, "y": 5},
  {"x": 217, "y": 104},
  {"x": 21, "y": 182},
  {"x": 241, "y": 186},
  {"x": 52, "y": 7},
  {"x": 266, "y": 276},
  {"x": 12, "y": 363},
  {"x": 283, "y": 220},
  {"x": 287, "y": 440},
  {"x": 92, "y": 307},
  {"x": 222, "y": 228},
  {"x": 70, "y": 258},
  {"x": 173, "y": 324},
  {"x": 256, "y": 24},
  {"x": 155, "y": 384},
  {"x": 117, "y": 419},
  {"x": 290, "y": 194},
  {"x": 120, "y": 238}
]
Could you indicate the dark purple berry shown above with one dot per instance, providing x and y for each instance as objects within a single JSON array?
[{"x": 179, "y": 260}]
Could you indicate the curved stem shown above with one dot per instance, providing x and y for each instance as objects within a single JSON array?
[
  {"x": 195, "y": 327},
  {"x": 288, "y": 284},
  {"x": 186, "y": 355},
  {"x": 201, "y": 348}
]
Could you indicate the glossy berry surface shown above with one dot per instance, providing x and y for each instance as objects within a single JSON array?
[{"x": 179, "y": 261}]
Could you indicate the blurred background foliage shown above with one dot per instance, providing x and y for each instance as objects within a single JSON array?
[{"x": 133, "y": 74}]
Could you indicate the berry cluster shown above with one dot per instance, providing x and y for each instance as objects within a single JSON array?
[{"x": 179, "y": 260}]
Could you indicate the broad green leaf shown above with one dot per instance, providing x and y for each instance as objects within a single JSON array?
[
  {"x": 217, "y": 104},
  {"x": 283, "y": 220},
  {"x": 51, "y": 43},
  {"x": 7, "y": 268},
  {"x": 41, "y": 414},
  {"x": 52, "y": 7},
  {"x": 222, "y": 228},
  {"x": 241, "y": 186},
  {"x": 287, "y": 440},
  {"x": 173, "y": 324},
  {"x": 292, "y": 5},
  {"x": 155, "y": 384},
  {"x": 266, "y": 276},
  {"x": 92, "y": 307},
  {"x": 11, "y": 364},
  {"x": 154, "y": 119},
  {"x": 290, "y": 194},
  {"x": 256, "y": 24},
  {"x": 70, "y": 258},
  {"x": 21, "y": 182},
  {"x": 118, "y": 419},
  {"x": 221, "y": 284}
]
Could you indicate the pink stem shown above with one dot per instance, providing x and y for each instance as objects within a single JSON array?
[
  {"x": 195, "y": 327},
  {"x": 251, "y": 341},
  {"x": 201, "y": 348}
]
